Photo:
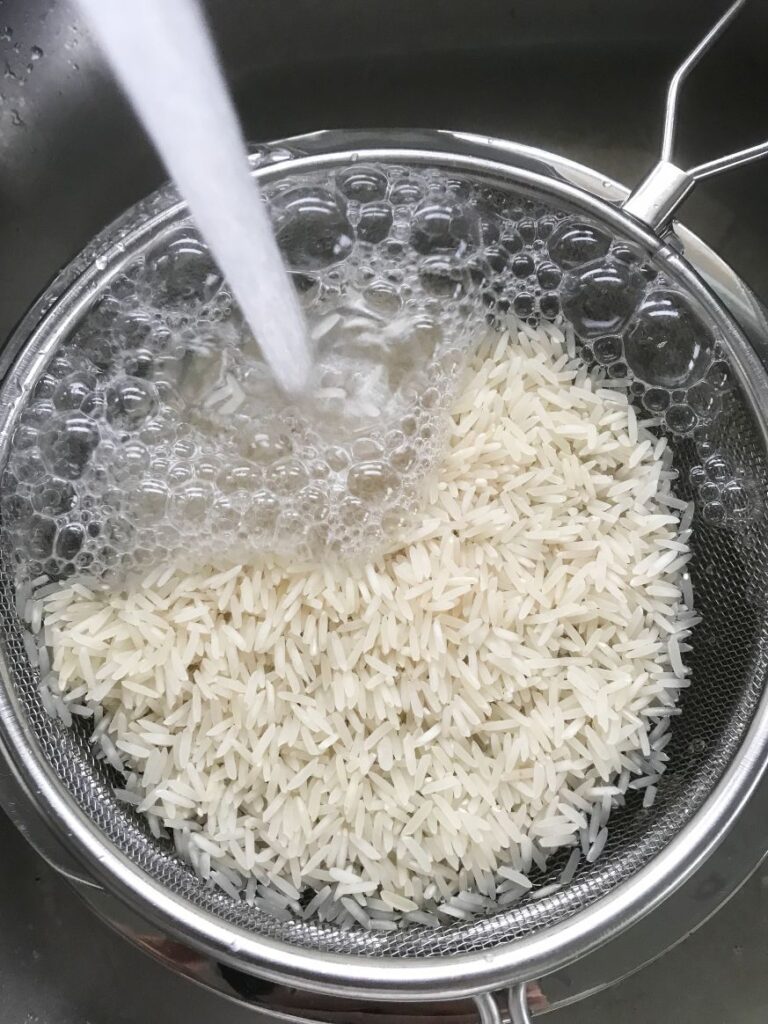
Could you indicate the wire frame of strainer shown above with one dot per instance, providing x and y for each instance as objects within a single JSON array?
[{"x": 719, "y": 742}]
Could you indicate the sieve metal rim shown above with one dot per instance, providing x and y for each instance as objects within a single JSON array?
[{"x": 468, "y": 973}]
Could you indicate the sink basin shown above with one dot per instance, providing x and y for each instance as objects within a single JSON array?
[{"x": 584, "y": 79}]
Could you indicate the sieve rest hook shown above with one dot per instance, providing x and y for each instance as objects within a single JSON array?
[
  {"x": 658, "y": 195},
  {"x": 488, "y": 1009}
]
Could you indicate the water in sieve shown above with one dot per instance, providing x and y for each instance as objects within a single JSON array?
[{"x": 156, "y": 429}]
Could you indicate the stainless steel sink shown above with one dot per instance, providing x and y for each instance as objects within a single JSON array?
[{"x": 584, "y": 78}]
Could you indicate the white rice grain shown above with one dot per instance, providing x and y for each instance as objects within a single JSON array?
[{"x": 423, "y": 731}]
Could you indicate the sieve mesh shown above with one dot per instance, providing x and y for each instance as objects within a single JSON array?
[{"x": 729, "y": 661}]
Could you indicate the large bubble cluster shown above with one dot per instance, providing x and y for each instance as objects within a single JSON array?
[{"x": 156, "y": 430}]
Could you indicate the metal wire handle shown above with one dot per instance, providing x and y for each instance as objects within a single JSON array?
[{"x": 659, "y": 194}]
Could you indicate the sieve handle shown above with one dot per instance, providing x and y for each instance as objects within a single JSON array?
[
  {"x": 517, "y": 1000},
  {"x": 659, "y": 194}
]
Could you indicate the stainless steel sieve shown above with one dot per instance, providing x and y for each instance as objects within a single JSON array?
[{"x": 720, "y": 742}]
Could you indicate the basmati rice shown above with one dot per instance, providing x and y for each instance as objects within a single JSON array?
[{"x": 386, "y": 737}]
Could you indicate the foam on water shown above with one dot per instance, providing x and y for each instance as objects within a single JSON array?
[
  {"x": 156, "y": 431},
  {"x": 163, "y": 57}
]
